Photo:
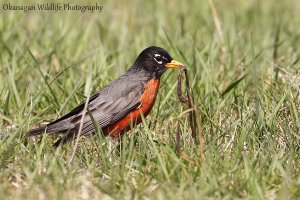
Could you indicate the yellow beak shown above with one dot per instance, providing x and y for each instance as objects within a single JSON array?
[{"x": 174, "y": 64}]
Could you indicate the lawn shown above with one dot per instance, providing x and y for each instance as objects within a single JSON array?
[{"x": 243, "y": 61}]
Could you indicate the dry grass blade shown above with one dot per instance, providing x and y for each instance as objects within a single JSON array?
[
  {"x": 218, "y": 25},
  {"x": 178, "y": 137},
  {"x": 80, "y": 129}
]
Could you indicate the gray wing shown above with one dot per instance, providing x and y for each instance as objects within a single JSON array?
[{"x": 108, "y": 106}]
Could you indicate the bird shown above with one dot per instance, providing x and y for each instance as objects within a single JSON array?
[{"x": 120, "y": 105}]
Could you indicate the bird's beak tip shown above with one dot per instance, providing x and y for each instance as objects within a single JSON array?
[{"x": 174, "y": 64}]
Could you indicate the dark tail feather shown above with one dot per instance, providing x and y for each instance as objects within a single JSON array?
[{"x": 36, "y": 131}]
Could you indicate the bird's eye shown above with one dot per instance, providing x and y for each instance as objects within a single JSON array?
[{"x": 158, "y": 58}]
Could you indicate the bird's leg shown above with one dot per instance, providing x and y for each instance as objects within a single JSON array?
[
  {"x": 114, "y": 147},
  {"x": 66, "y": 138}
]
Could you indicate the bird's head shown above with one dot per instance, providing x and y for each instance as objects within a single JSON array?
[{"x": 156, "y": 60}]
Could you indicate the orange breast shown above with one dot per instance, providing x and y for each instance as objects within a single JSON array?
[{"x": 135, "y": 116}]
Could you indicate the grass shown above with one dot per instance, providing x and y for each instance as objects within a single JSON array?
[{"x": 245, "y": 83}]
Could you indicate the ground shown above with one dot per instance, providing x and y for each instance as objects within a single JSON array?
[{"x": 243, "y": 60}]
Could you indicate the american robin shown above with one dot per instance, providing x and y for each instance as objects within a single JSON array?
[{"x": 119, "y": 105}]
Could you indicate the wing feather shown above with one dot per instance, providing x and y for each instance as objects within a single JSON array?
[
  {"x": 107, "y": 106},
  {"x": 104, "y": 110}
]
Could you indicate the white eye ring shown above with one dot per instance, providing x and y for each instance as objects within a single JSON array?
[{"x": 157, "y": 56}]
